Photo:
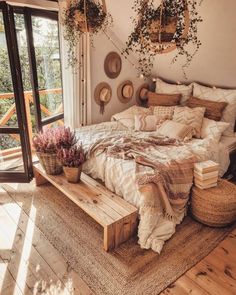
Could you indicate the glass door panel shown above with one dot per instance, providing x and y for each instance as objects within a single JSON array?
[
  {"x": 47, "y": 52},
  {"x": 7, "y": 97},
  {"x": 11, "y": 158},
  {"x": 15, "y": 156}
]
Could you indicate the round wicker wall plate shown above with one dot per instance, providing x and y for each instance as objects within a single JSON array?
[
  {"x": 102, "y": 93},
  {"x": 141, "y": 94},
  {"x": 125, "y": 91},
  {"x": 112, "y": 65}
]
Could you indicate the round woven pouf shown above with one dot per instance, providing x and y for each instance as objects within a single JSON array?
[{"x": 215, "y": 206}]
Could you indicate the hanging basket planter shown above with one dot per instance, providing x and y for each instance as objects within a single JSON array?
[
  {"x": 172, "y": 25},
  {"x": 162, "y": 33},
  {"x": 83, "y": 17}
]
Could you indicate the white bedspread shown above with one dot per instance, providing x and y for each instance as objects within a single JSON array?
[{"x": 119, "y": 176}]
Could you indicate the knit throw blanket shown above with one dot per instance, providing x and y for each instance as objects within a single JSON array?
[{"x": 166, "y": 185}]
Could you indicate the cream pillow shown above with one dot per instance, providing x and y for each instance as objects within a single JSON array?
[
  {"x": 145, "y": 122},
  {"x": 127, "y": 116},
  {"x": 213, "y": 129},
  {"x": 191, "y": 117},
  {"x": 219, "y": 94},
  {"x": 184, "y": 90},
  {"x": 162, "y": 112},
  {"x": 175, "y": 130}
]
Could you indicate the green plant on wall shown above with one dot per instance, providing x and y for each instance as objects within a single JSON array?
[
  {"x": 80, "y": 17},
  {"x": 171, "y": 25}
]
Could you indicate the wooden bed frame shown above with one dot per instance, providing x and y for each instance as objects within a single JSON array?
[{"x": 118, "y": 218}]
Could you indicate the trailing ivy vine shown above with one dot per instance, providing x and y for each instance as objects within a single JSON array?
[
  {"x": 83, "y": 16},
  {"x": 152, "y": 31}
]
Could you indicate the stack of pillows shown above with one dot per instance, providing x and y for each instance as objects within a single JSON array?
[{"x": 184, "y": 111}]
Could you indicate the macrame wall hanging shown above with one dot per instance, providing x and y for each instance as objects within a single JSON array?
[{"x": 162, "y": 26}]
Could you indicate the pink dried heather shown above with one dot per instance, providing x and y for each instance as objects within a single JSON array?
[
  {"x": 52, "y": 139},
  {"x": 72, "y": 157}
]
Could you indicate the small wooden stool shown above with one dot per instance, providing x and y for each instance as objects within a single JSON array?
[{"x": 215, "y": 206}]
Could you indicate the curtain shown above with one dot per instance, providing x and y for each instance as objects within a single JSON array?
[{"x": 76, "y": 84}]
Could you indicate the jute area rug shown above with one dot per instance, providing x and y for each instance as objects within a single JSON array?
[{"x": 127, "y": 270}]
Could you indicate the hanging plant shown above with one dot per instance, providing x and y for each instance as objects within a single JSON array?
[
  {"x": 171, "y": 25},
  {"x": 82, "y": 17}
]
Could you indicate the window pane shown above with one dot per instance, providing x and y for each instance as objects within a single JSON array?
[
  {"x": 7, "y": 101},
  {"x": 46, "y": 43},
  {"x": 10, "y": 153}
]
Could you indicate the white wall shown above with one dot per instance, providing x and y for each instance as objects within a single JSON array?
[{"x": 215, "y": 63}]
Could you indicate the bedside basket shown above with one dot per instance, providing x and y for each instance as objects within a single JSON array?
[{"x": 215, "y": 206}]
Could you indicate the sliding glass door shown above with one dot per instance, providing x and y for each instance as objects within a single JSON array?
[{"x": 30, "y": 85}]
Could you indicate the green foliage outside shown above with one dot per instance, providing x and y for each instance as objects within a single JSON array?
[{"x": 48, "y": 69}]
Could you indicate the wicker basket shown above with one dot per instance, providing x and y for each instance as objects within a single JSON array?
[
  {"x": 215, "y": 206},
  {"x": 50, "y": 163}
]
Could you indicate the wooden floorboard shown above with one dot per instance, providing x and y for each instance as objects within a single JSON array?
[{"x": 46, "y": 271}]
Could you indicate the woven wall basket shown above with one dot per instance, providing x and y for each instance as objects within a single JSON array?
[
  {"x": 50, "y": 163},
  {"x": 215, "y": 206}
]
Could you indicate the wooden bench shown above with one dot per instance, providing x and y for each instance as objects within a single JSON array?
[{"x": 118, "y": 218}]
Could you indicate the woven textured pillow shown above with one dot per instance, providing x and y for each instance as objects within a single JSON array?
[
  {"x": 163, "y": 112},
  {"x": 214, "y": 109},
  {"x": 184, "y": 90},
  {"x": 145, "y": 122},
  {"x": 127, "y": 116},
  {"x": 190, "y": 117},
  {"x": 155, "y": 99},
  {"x": 222, "y": 95},
  {"x": 175, "y": 130},
  {"x": 213, "y": 129}
]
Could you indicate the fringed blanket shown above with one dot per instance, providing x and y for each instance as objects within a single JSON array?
[{"x": 164, "y": 185}]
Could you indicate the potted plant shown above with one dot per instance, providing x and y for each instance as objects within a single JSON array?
[
  {"x": 46, "y": 145},
  {"x": 72, "y": 160},
  {"x": 160, "y": 29},
  {"x": 82, "y": 17}
]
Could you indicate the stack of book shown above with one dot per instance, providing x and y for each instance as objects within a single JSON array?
[{"x": 206, "y": 174}]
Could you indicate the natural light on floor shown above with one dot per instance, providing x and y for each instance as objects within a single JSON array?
[
  {"x": 7, "y": 227},
  {"x": 3, "y": 270},
  {"x": 25, "y": 255}
]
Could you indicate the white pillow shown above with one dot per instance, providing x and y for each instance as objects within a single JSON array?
[
  {"x": 145, "y": 122},
  {"x": 175, "y": 130},
  {"x": 191, "y": 117},
  {"x": 219, "y": 94},
  {"x": 213, "y": 129},
  {"x": 127, "y": 116},
  {"x": 185, "y": 90}
]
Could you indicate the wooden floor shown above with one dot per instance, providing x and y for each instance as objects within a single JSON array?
[{"x": 29, "y": 264}]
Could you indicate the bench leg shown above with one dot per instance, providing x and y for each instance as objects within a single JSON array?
[
  {"x": 120, "y": 231},
  {"x": 109, "y": 237},
  {"x": 39, "y": 179}
]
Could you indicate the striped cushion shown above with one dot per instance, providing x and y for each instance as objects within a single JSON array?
[
  {"x": 190, "y": 117},
  {"x": 145, "y": 122}
]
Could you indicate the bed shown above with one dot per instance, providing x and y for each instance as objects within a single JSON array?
[
  {"x": 152, "y": 167},
  {"x": 120, "y": 175}
]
